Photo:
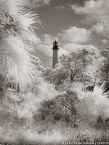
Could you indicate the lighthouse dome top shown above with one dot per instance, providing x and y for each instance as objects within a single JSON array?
[{"x": 55, "y": 43}]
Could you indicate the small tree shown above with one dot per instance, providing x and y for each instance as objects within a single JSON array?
[
  {"x": 79, "y": 63},
  {"x": 71, "y": 64},
  {"x": 87, "y": 60}
]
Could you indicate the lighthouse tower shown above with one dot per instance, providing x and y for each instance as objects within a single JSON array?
[{"x": 55, "y": 53}]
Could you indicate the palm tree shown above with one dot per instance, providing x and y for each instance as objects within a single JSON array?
[{"x": 17, "y": 38}]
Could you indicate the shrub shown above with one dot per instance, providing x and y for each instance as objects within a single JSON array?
[
  {"x": 59, "y": 109},
  {"x": 92, "y": 104}
]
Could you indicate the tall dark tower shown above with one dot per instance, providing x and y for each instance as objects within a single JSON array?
[{"x": 55, "y": 53}]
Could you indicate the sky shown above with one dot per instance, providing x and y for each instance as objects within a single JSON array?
[{"x": 73, "y": 23}]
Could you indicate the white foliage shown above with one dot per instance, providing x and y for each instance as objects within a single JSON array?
[
  {"x": 17, "y": 38},
  {"x": 44, "y": 90},
  {"x": 92, "y": 104},
  {"x": 27, "y": 104}
]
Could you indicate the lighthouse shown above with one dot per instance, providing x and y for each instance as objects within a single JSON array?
[{"x": 55, "y": 53}]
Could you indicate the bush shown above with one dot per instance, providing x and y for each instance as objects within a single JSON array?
[
  {"x": 59, "y": 109},
  {"x": 92, "y": 104}
]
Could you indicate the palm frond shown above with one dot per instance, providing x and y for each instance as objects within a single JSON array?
[
  {"x": 13, "y": 7},
  {"x": 17, "y": 39}
]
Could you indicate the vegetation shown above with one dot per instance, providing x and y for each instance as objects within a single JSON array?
[{"x": 45, "y": 106}]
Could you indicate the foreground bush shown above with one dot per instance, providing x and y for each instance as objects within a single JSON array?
[{"x": 92, "y": 104}]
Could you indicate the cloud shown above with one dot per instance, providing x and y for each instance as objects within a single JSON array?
[
  {"x": 104, "y": 41},
  {"x": 69, "y": 47},
  {"x": 98, "y": 28},
  {"x": 60, "y": 7},
  {"x": 97, "y": 14},
  {"x": 46, "y": 49},
  {"x": 46, "y": 43},
  {"x": 48, "y": 39},
  {"x": 75, "y": 35}
]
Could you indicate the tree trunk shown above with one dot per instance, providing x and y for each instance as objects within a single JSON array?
[
  {"x": 72, "y": 78},
  {"x": 3, "y": 87}
]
